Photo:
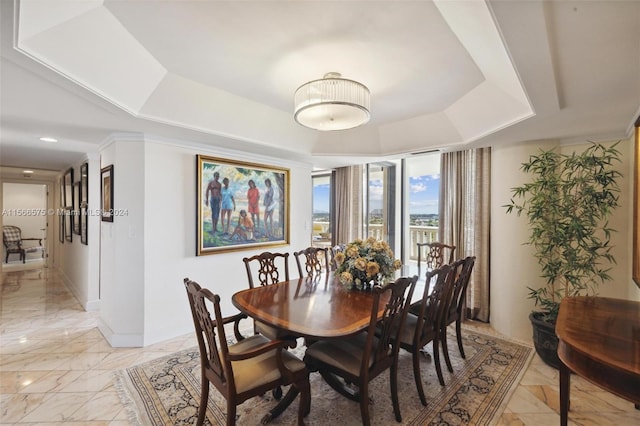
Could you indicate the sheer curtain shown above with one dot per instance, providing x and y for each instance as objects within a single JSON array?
[
  {"x": 465, "y": 218},
  {"x": 348, "y": 206}
]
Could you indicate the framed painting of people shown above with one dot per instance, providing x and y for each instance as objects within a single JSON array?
[{"x": 240, "y": 205}]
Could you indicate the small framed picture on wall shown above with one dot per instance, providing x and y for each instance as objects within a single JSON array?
[
  {"x": 106, "y": 199},
  {"x": 84, "y": 201}
]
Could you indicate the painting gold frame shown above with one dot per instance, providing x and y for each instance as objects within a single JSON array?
[{"x": 266, "y": 205}]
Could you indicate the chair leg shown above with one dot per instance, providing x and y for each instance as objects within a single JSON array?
[
  {"x": 277, "y": 393},
  {"x": 445, "y": 350},
  {"x": 394, "y": 390},
  {"x": 364, "y": 403},
  {"x": 459, "y": 337},
  {"x": 305, "y": 400},
  {"x": 417, "y": 376},
  {"x": 436, "y": 358},
  {"x": 204, "y": 399},
  {"x": 231, "y": 413}
]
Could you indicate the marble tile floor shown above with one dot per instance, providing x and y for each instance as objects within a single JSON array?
[{"x": 56, "y": 367}]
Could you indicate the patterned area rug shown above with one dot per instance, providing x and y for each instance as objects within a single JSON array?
[{"x": 166, "y": 391}]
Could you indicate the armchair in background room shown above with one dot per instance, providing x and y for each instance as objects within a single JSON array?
[{"x": 15, "y": 244}]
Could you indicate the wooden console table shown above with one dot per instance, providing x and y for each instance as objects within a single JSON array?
[{"x": 599, "y": 339}]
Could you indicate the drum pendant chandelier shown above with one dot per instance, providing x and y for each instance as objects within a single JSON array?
[{"x": 332, "y": 103}]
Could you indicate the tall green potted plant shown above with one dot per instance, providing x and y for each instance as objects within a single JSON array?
[{"x": 568, "y": 203}]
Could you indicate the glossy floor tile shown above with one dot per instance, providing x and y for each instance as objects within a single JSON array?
[{"x": 56, "y": 368}]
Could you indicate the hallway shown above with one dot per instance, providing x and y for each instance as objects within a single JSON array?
[{"x": 56, "y": 368}]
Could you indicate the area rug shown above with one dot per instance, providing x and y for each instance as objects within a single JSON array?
[{"x": 166, "y": 391}]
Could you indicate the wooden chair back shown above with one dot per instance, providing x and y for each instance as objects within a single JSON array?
[
  {"x": 425, "y": 324},
  {"x": 214, "y": 365},
  {"x": 312, "y": 261},
  {"x": 383, "y": 335},
  {"x": 271, "y": 268},
  {"x": 460, "y": 286},
  {"x": 434, "y": 304},
  {"x": 435, "y": 254},
  {"x": 455, "y": 313}
]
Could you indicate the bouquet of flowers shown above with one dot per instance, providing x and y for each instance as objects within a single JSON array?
[{"x": 363, "y": 263}]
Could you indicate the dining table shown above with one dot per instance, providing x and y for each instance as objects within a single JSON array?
[{"x": 315, "y": 308}]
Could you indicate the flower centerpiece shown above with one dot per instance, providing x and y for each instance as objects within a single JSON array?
[{"x": 366, "y": 263}]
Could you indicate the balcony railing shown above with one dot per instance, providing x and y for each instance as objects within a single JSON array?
[{"x": 417, "y": 234}]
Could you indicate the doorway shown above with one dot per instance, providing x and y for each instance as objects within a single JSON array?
[{"x": 25, "y": 205}]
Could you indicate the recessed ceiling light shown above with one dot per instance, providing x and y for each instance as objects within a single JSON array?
[{"x": 48, "y": 139}]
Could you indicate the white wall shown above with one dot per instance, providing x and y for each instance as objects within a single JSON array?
[
  {"x": 78, "y": 263},
  {"x": 122, "y": 281},
  {"x": 513, "y": 267},
  {"x": 147, "y": 253}
]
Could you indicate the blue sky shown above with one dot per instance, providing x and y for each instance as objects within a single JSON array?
[
  {"x": 423, "y": 195},
  {"x": 321, "y": 198}
]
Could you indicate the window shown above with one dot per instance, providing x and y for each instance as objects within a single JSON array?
[
  {"x": 322, "y": 210},
  {"x": 421, "y": 203},
  {"x": 380, "y": 202}
]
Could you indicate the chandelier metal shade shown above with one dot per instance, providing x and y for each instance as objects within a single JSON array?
[{"x": 332, "y": 103}]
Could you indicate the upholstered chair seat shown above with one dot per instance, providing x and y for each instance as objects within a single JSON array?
[
  {"x": 262, "y": 369},
  {"x": 345, "y": 354}
]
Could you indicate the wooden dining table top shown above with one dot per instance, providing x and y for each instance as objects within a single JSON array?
[
  {"x": 606, "y": 329},
  {"x": 318, "y": 307}
]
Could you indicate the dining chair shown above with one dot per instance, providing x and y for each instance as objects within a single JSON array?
[
  {"x": 361, "y": 358},
  {"x": 427, "y": 325},
  {"x": 312, "y": 261},
  {"x": 455, "y": 313},
  {"x": 270, "y": 268},
  {"x": 245, "y": 369},
  {"x": 434, "y": 255}
]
